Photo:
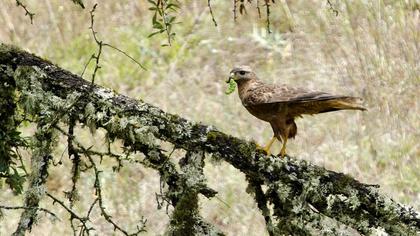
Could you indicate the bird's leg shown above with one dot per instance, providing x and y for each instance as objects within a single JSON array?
[
  {"x": 283, "y": 148},
  {"x": 267, "y": 147}
]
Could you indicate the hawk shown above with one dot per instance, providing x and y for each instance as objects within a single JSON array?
[{"x": 279, "y": 104}]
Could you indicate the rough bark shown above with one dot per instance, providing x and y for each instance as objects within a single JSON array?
[{"x": 304, "y": 197}]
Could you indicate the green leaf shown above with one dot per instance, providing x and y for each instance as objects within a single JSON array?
[
  {"x": 4, "y": 161},
  {"x": 157, "y": 25},
  {"x": 15, "y": 181},
  {"x": 154, "y": 33},
  {"x": 231, "y": 87},
  {"x": 170, "y": 19},
  {"x": 152, "y": 2},
  {"x": 160, "y": 11},
  {"x": 154, "y": 18},
  {"x": 172, "y": 6}
]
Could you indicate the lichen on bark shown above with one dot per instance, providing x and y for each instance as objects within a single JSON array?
[
  {"x": 185, "y": 219},
  {"x": 43, "y": 144},
  {"x": 295, "y": 197}
]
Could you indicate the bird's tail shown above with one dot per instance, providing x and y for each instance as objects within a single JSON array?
[{"x": 346, "y": 103}]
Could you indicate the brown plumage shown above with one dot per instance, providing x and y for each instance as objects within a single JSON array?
[{"x": 279, "y": 105}]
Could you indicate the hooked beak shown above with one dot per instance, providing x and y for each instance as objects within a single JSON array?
[{"x": 231, "y": 77}]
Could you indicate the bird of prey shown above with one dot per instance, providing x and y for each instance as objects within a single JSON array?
[{"x": 279, "y": 104}]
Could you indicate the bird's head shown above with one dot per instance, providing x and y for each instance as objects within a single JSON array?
[{"x": 241, "y": 73}]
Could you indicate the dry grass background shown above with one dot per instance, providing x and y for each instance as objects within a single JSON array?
[{"x": 371, "y": 49}]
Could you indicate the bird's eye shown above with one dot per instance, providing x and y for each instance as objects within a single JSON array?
[{"x": 242, "y": 72}]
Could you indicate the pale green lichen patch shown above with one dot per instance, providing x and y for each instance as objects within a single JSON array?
[
  {"x": 104, "y": 93},
  {"x": 185, "y": 219},
  {"x": 283, "y": 191},
  {"x": 43, "y": 145},
  {"x": 145, "y": 135}
]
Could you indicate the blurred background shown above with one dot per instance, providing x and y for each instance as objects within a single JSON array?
[{"x": 370, "y": 49}]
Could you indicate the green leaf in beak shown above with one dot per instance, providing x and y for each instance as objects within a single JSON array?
[{"x": 231, "y": 86}]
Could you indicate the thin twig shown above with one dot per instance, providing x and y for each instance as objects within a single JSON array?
[
  {"x": 258, "y": 9},
  {"x": 211, "y": 13},
  {"x": 80, "y": 3},
  {"x": 61, "y": 158},
  {"x": 27, "y": 12},
  {"x": 165, "y": 23},
  {"x": 91, "y": 207},
  {"x": 87, "y": 64},
  {"x": 82, "y": 149},
  {"x": 235, "y": 6},
  {"x": 101, "y": 44},
  {"x": 98, "y": 188},
  {"x": 73, "y": 215},
  {"x": 267, "y": 8},
  {"x": 97, "y": 57},
  {"x": 22, "y": 165},
  {"x": 125, "y": 54},
  {"x": 106, "y": 216},
  {"x": 30, "y": 208},
  {"x": 332, "y": 8}
]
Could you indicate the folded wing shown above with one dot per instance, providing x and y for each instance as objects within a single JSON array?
[{"x": 300, "y": 101}]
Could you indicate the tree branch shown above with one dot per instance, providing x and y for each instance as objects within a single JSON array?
[
  {"x": 27, "y": 12},
  {"x": 36, "y": 190},
  {"x": 299, "y": 192}
]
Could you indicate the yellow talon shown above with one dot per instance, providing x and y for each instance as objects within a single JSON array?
[{"x": 266, "y": 149}]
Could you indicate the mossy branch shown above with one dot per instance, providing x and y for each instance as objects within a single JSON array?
[
  {"x": 36, "y": 190},
  {"x": 303, "y": 198}
]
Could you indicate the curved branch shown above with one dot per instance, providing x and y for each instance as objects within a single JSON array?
[{"x": 298, "y": 190}]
